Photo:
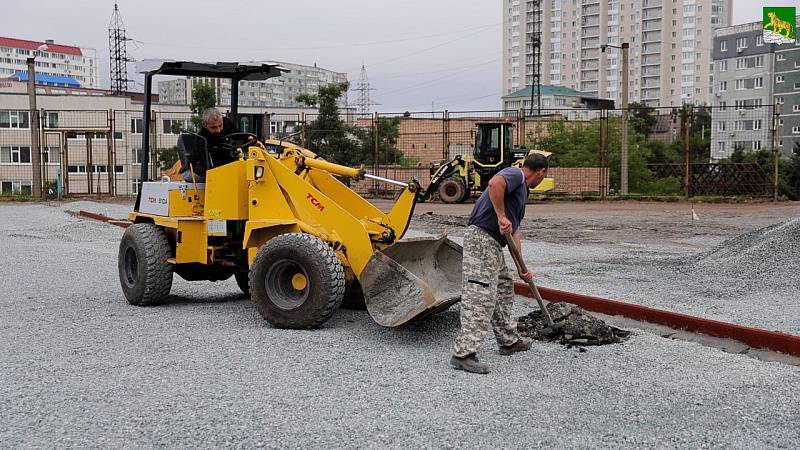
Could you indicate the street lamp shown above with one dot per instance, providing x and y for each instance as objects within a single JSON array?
[
  {"x": 36, "y": 153},
  {"x": 624, "y": 138}
]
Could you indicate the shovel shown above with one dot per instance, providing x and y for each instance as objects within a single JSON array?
[{"x": 552, "y": 327}]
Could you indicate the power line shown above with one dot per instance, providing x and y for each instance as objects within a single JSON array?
[{"x": 357, "y": 44}]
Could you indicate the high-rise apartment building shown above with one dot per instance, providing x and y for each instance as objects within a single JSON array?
[
  {"x": 58, "y": 60},
  {"x": 670, "y": 46},
  {"x": 279, "y": 91}
]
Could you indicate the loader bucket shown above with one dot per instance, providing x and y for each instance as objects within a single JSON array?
[{"x": 411, "y": 278}]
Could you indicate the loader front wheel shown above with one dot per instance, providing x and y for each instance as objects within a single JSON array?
[
  {"x": 452, "y": 190},
  {"x": 296, "y": 281},
  {"x": 144, "y": 272}
]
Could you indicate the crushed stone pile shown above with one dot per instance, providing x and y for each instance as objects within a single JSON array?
[
  {"x": 580, "y": 328},
  {"x": 765, "y": 258}
]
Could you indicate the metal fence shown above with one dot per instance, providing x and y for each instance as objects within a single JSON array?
[{"x": 664, "y": 151}]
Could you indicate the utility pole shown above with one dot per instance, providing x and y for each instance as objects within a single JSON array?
[
  {"x": 36, "y": 151},
  {"x": 624, "y": 138}
]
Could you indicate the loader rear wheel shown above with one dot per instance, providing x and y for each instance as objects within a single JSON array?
[
  {"x": 452, "y": 190},
  {"x": 243, "y": 281},
  {"x": 296, "y": 281},
  {"x": 144, "y": 272}
]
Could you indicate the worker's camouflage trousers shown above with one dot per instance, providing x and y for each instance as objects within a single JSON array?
[{"x": 486, "y": 294}]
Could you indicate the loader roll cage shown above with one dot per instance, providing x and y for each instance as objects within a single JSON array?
[{"x": 228, "y": 70}]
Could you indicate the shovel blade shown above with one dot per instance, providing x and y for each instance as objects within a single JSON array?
[{"x": 412, "y": 278}]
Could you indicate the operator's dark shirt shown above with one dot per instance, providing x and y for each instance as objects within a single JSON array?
[
  {"x": 217, "y": 155},
  {"x": 483, "y": 215}
]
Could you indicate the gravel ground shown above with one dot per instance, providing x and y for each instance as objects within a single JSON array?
[{"x": 82, "y": 368}]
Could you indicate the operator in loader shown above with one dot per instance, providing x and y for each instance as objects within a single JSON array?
[
  {"x": 487, "y": 291},
  {"x": 214, "y": 129}
]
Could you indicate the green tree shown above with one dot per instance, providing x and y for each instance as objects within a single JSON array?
[
  {"x": 642, "y": 118},
  {"x": 203, "y": 97},
  {"x": 387, "y": 151},
  {"x": 329, "y": 135}
]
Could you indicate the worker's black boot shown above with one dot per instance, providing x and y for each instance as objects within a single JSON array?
[
  {"x": 519, "y": 346},
  {"x": 469, "y": 363}
]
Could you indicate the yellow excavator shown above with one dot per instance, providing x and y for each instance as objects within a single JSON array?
[{"x": 281, "y": 222}]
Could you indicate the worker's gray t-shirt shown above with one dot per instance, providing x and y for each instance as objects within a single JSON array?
[{"x": 483, "y": 215}]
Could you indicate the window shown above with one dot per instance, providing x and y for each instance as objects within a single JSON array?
[
  {"x": 759, "y": 40},
  {"x": 741, "y": 43},
  {"x": 756, "y": 145},
  {"x": 780, "y": 57},
  {"x": 759, "y": 61},
  {"x": 723, "y": 47},
  {"x": 174, "y": 126},
  {"x": 722, "y": 146},
  {"x": 741, "y": 63},
  {"x": 137, "y": 126},
  {"x": 758, "y": 83},
  {"x": 136, "y": 156},
  {"x": 118, "y": 135},
  {"x": 795, "y": 130},
  {"x": 779, "y": 100},
  {"x": 16, "y": 187},
  {"x": 721, "y": 126},
  {"x": 795, "y": 108},
  {"x": 797, "y": 85},
  {"x": 77, "y": 168},
  {"x": 15, "y": 154},
  {"x": 723, "y": 86},
  {"x": 723, "y": 66},
  {"x": 757, "y": 124},
  {"x": 739, "y": 85},
  {"x": 14, "y": 119},
  {"x": 779, "y": 79},
  {"x": 51, "y": 155},
  {"x": 51, "y": 120}
]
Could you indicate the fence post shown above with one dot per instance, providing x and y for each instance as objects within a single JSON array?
[
  {"x": 303, "y": 130},
  {"x": 375, "y": 151},
  {"x": 521, "y": 128},
  {"x": 686, "y": 117},
  {"x": 775, "y": 154},
  {"x": 603, "y": 144},
  {"x": 446, "y": 135}
]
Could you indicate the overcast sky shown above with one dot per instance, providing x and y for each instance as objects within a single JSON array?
[{"x": 419, "y": 54}]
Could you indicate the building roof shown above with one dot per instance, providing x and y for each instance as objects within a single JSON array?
[
  {"x": 549, "y": 90},
  {"x": 33, "y": 45},
  {"x": 49, "y": 80}
]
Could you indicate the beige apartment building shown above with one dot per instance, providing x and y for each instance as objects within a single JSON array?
[{"x": 670, "y": 47}]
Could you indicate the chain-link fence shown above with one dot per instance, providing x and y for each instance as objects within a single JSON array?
[{"x": 596, "y": 152}]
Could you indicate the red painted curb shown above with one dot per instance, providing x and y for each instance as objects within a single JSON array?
[{"x": 753, "y": 337}]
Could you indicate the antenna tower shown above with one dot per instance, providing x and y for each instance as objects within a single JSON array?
[
  {"x": 363, "y": 103},
  {"x": 536, "y": 44},
  {"x": 118, "y": 53}
]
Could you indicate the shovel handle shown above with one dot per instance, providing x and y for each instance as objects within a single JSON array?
[{"x": 517, "y": 257}]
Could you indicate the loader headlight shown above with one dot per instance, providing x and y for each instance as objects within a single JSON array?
[{"x": 259, "y": 172}]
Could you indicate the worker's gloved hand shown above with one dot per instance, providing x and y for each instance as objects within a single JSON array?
[
  {"x": 526, "y": 277},
  {"x": 504, "y": 224}
]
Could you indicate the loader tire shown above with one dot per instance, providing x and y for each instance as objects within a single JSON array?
[
  {"x": 243, "y": 281},
  {"x": 296, "y": 281},
  {"x": 452, "y": 190},
  {"x": 144, "y": 272}
]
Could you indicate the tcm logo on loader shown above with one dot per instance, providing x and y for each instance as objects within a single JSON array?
[
  {"x": 158, "y": 200},
  {"x": 315, "y": 202},
  {"x": 780, "y": 25}
]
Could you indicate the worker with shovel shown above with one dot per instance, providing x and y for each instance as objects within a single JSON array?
[{"x": 486, "y": 289}]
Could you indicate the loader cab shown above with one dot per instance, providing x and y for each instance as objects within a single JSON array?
[
  {"x": 249, "y": 123},
  {"x": 494, "y": 150}
]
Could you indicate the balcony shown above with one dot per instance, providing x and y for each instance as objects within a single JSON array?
[
  {"x": 651, "y": 4},
  {"x": 651, "y": 61},
  {"x": 651, "y": 36},
  {"x": 649, "y": 49},
  {"x": 590, "y": 10}
]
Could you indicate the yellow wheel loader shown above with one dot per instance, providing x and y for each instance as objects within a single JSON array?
[
  {"x": 282, "y": 223},
  {"x": 455, "y": 180}
]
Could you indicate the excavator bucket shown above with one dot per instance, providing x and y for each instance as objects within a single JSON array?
[{"x": 411, "y": 278}]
